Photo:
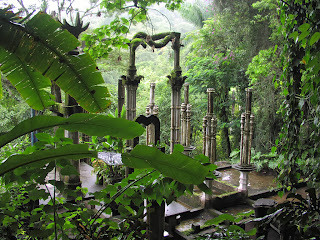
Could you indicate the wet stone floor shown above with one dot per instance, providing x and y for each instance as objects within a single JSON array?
[{"x": 258, "y": 181}]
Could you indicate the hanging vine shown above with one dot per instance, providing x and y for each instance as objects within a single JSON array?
[{"x": 300, "y": 133}]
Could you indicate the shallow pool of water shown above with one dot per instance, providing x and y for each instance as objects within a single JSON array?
[{"x": 258, "y": 182}]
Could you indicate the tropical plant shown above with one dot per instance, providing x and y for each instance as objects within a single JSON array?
[
  {"x": 264, "y": 73},
  {"x": 262, "y": 161},
  {"x": 298, "y": 217},
  {"x": 218, "y": 72},
  {"x": 299, "y": 139},
  {"x": 36, "y": 55},
  {"x": 22, "y": 67},
  {"x": 114, "y": 35},
  {"x": 229, "y": 228},
  {"x": 109, "y": 143}
]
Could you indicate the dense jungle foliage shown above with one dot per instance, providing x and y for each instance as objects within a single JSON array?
[{"x": 271, "y": 46}]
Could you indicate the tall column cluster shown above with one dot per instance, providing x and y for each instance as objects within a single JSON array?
[
  {"x": 176, "y": 81},
  {"x": 185, "y": 135},
  {"x": 209, "y": 129},
  {"x": 247, "y": 122}
]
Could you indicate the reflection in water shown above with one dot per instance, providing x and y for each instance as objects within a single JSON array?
[{"x": 257, "y": 181}]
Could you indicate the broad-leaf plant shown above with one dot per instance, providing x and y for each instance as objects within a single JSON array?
[{"x": 34, "y": 54}]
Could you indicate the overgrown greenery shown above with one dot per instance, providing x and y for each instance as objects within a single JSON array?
[
  {"x": 220, "y": 54},
  {"x": 297, "y": 217},
  {"x": 227, "y": 227},
  {"x": 24, "y": 174},
  {"x": 300, "y": 133},
  {"x": 240, "y": 44}
]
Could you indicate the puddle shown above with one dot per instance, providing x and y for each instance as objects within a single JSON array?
[{"x": 257, "y": 181}]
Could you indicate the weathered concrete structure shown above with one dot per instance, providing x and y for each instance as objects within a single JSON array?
[
  {"x": 186, "y": 122},
  {"x": 151, "y": 109},
  {"x": 209, "y": 129},
  {"x": 209, "y": 141},
  {"x": 247, "y": 121},
  {"x": 176, "y": 81}
]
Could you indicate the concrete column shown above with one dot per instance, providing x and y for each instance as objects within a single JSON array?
[
  {"x": 213, "y": 146},
  {"x": 244, "y": 180},
  {"x": 185, "y": 120},
  {"x": 183, "y": 124},
  {"x": 209, "y": 144},
  {"x": 245, "y": 166},
  {"x": 176, "y": 82},
  {"x": 246, "y": 143},
  {"x": 210, "y": 128},
  {"x": 131, "y": 83},
  {"x": 121, "y": 96},
  {"x": 250, "y": 138},
  {"x": 72, "y": 181},
  {"x": 188, "y": 126},
  {"x": 242, "y": 121},
  {"x": 175, "y": 116},
  {"x": 204, "y": 130},
  {"x": 156, "y": 220},
  {"x": 151, "y": 109},
  {"x": 131, "y": 104}
]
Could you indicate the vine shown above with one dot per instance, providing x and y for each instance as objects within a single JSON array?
[{"x": 300, "y": 132}]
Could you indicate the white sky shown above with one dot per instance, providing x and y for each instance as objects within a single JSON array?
[{"x": 80, "y": 4}]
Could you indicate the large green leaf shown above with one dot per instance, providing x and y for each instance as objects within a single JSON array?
[
  {"x": 27, "y": 81},
  {"x": 90, "y": 124},
  {"x": 74, "y": 151},
  {"x": 176, "y": 165},
  {"x": 43, "y": 46}
]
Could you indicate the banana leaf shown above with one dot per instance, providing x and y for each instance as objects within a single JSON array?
[
  {"x": 90, "y": 124},
  {"x": 74, "y": 151},
  {"x": 34, "y": 54},
  {"x": 176, "y": 165}
]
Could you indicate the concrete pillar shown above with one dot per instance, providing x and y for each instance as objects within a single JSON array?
[
  {"x": 244, "y": 180},
  {"x": 209, "y": 129},
  {"x": 246, "y": 130},
  {"x": 156, "y": 220},
  {"x": 184, "y": 117},
  {"x": 188, "y": 126},
  {"x": 131, "y": 83},
  {"x": 204, "y": 130},
  {"x": 72, "y": 181},
  {"x": 183, "y": 123},
  {"x": 176, "y": 81},
  {"x": 175, "y": 116},
  {"x": 151, "y": 109},
  {"x": 209, "y": 141},
  {"x": 121, "y": 96},
  {"x": 213, "y": 145},
  {"x": 245, "y": 166}
]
